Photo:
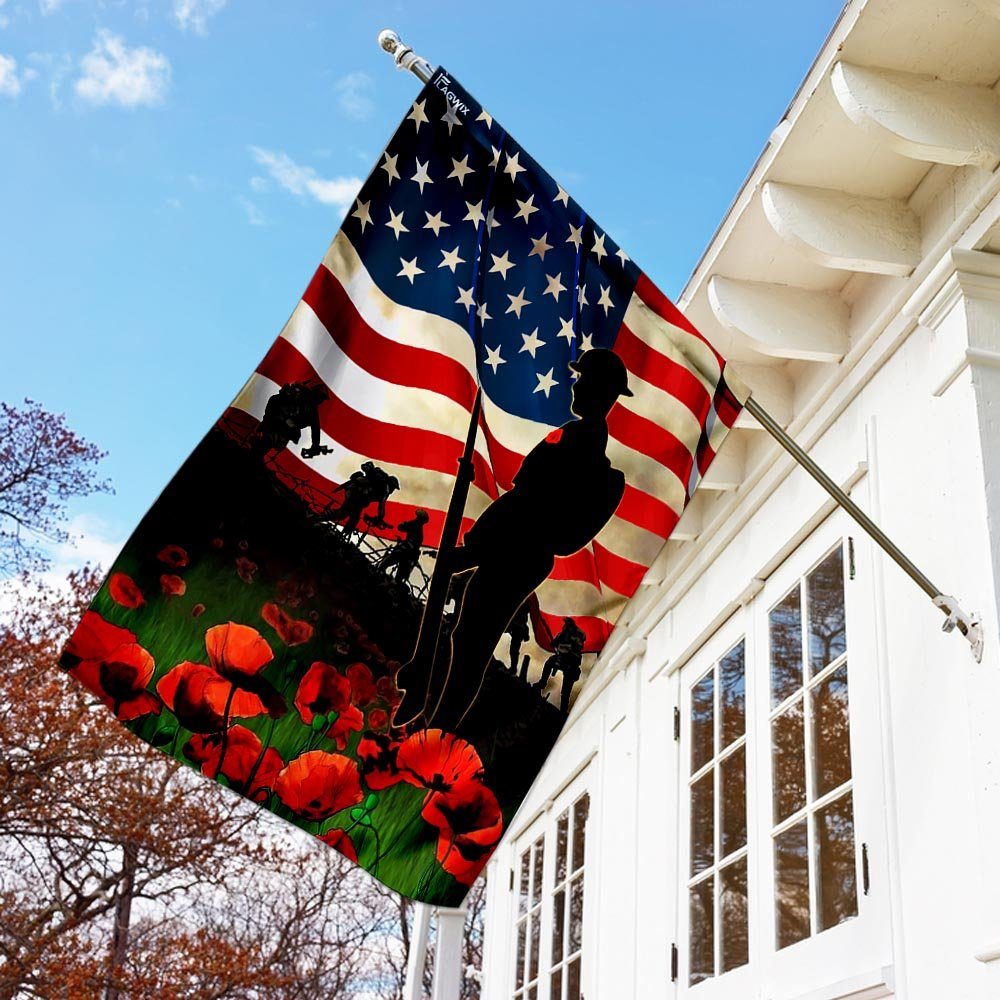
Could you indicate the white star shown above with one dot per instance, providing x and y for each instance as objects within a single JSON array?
[
  {"x": 461, "y": 168},
  {"x": 566, "y": 330},
  {"x": 390, "y": 166},
  {"x": 474, "y": 213},
  {"x": 545, "y": 382},
  {"x": 417, "y": 114},
  {"x": 598, "y": 248},
  {"x": 621, "y": 253},
  {"x": 482, "y": 313},
  {"x": 586, "y": 342},
  {"x": 485, "y": 116},
  {"x": 421, "y": 176},
  {"x": 562, "y": 196},
  {"x": 525, "y": 208},
  {"x": 496, "y": 158},
  {"x": 513, "y": 167},
  {"x": 540, "y": 247},
  {"x": 575, "y": 235},
  {"x": 435, "y": 222},
  {"x": 395, "y": 223},
  {"x": 493, "y": 358},
  {"x": 452, "y": 260},
  {"x": 581, "y": 297},
  {"x": 555, "y": 286},
  {"x": 502, "y": 264},
  {"x": 464, "y": 296},
  {"x": 363, "y": 213},
  {"x": 451, "y": 118},
  {"x": 491, "y": 222},
  {"x": 409, "y": 269},
  {"x": 531, "y": 342},
  {"x": 605, "y": 299},
  {"x": 517, "y": 302}
]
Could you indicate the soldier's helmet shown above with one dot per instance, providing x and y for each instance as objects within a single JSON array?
[
  {"x": 422, "y": 516},
  {"x": 605, "y": 368}
]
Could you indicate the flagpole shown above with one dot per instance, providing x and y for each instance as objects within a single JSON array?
[{"x": 968, "y": 624}]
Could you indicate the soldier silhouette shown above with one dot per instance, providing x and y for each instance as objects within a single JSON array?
[
  {"x": 403, "y": 556},
  {"x": 566, "y": 659},
  {"x": 286, "y": 414},
  {"x": 518, "y": 632},
  {"x": 563, "y": 494},
  {"x": 370, "y": 485}
]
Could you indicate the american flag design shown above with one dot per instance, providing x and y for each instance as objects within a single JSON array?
[{"x": 261, "y": 621}]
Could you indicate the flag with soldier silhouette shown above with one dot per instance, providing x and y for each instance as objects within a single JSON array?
[{"x": 368, "y": 598}]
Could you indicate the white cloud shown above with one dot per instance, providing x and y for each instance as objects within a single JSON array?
[
  {"x": 49, "y": 6},
  {"x": 354, "y": 95},
  {"x": 10, "y": 82},
  {"x": 254, "y": 215},
  {"x": 116, "y": 74},
  {"x": 260, "y": 184},
  {"x": 336, "y": 191},
  {"x": 194, "y": 15}
]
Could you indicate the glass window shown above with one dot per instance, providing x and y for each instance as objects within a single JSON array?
[
  {"x": 812, "y": 804},
  {"x": 717, "y": 884},
  {"x": 529, "y": 920},
  {"x": 567, "y": 900}
]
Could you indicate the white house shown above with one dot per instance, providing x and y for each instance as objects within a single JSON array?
[{"x": 783, "y": 780}]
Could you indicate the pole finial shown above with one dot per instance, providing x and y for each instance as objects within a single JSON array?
[{"x": 403, "y": 55}]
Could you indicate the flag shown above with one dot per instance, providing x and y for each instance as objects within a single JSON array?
[{"x": 369, "y": 597}]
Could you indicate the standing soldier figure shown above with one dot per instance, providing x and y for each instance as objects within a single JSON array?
[
  {"x": 566, "y": 659},
  {"x": 403, "y": 556},
  {"x": 518, "y": 632}
]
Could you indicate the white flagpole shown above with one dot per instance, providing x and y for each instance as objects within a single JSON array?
[{"x": 966, "y": 623}]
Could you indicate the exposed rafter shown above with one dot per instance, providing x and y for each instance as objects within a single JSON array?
[
  {"x": 989, "y": 6},
  {"x": 773, "y": 389},
  {"x": 727, "y": 469},
  {"x": 922, "y": 117},
  {"x": 844, "y": 231},
  {"x": 780, "y": 321}
]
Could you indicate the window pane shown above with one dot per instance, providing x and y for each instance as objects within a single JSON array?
[
  {"x": 533, "y": 993},
  {"x": 831, "y": 733},
  {"x": 788, "y": 756},
  {"x": 786, "y": 647},
  {"x": 581, "y": 810},
  {"x": 733, "y": 920},
  {"x": 536, "y": 921},
  {"x": 733, "y": 804},
  {"x": 576, "y": 916},
  {"x": 791, "y": 885},
  {"x": 562, "y": 838},
  {"x": 835, "y": 863},
  {"x": 702, "y": 931},
  {"x": 521, "y": 931},
  {"x": 522, "y": 899},
  {"x": 573, "y": 981},
  {"x": 536, "y": 880},
  {"x": 558, "y": 921},
  {"x": 555, "y": 993},
  {"x": 732, "y": 694},
  {"x": 825, "y": 593},
  {"x": 703, "y": 823},
  {"x": 702, "y": 722}
]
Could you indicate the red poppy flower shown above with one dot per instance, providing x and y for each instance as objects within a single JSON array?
[
  {"x": 198, "y": 610},
  {"x": 340, "y": 841},
  {"x": 378, "y": 719},
  {"x": 95, "y": 637},
  {"x": 173, "y": 556},
  {"x": 318, "y": 784},
  {"x": 217, "y": 543},
  {"x": 434, "y": 759},
  {"x": 198, "y": 696},
  {"x": 388, "y": 691},
  {"x": 249, "y": 768},
  {"x": 362, "y": 685},
  {"x": 322, "y": 690},
  {"x": 237, "y": 651},
  {"x": 119, "y": 679},
  {"x": 377, "y": 755},
  {"x": 172, "y": 585},
  {"x": 293, "y": 632},
  {"x": 349, "y": 721},
  {"x": 469, "y": 809},
  {"x": 125, "y": 591},
  {"x": 246, "y": 569},
  {"x": 462, "y": 866}
]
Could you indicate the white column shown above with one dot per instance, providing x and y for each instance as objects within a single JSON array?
[
  {"x": 414, "y": 988},
  {"x": 448, "y": 953}
]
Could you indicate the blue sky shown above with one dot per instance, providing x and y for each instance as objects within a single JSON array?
[{"x": 171, "y": 171}]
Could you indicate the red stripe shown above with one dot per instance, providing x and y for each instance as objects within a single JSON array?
[
  {"x": 651, "y": 439},
  {"x": 665, "y": 309},
  {"x": 371, "y": 438},
  {"x": 620, "y": 574},
  {"x": 596, "y": 630},
  {"x": 380, "y": 356}
]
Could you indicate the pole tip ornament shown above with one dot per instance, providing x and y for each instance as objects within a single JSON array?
[{"x": 404, "y": 57}]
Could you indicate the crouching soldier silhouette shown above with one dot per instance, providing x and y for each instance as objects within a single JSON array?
[
  {"x": 370, "y": 485},
  {"x": 566, "y": 659},
  {"x": 287, "y": 413},
  {"x": 563, "y": 494},
  {"x": 403, "y": 556}
]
